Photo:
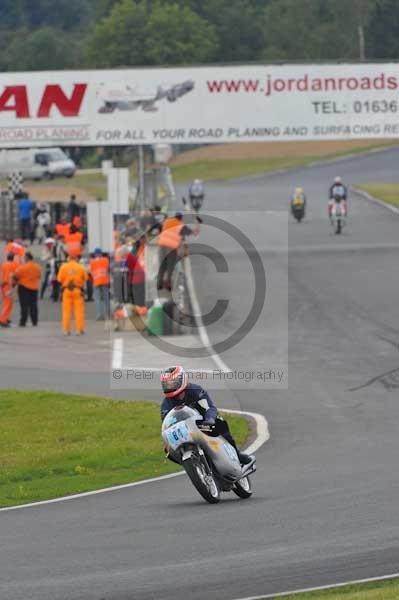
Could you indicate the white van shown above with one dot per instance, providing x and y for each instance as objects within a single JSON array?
[{"x": 37, "y": 163}]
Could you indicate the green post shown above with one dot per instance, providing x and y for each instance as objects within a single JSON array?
[{"x": 155, "y": 319}]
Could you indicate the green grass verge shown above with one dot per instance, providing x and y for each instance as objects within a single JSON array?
[
  {"x": 95, "y": 184},
  {"x": 377, "y": 590},
  {"x": 219, "y": 169},
  {"x": 55, "y": 444},
  {"x": 387, "y": 192}
]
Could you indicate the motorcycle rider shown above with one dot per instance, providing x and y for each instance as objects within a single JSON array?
[
  {"x": 196, "y": 190},
  {"x": 337, "y": 189},
  {"x": 178, "y": 391},
  {"x": 298, "y": 194}
]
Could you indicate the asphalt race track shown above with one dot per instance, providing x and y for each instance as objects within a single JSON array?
[{"x": 326, "y": 491}]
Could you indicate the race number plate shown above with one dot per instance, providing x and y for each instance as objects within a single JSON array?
[{"x": 177, "y": 434}]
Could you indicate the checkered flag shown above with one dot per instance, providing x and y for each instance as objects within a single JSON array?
[{"x": 15, "y": 183}]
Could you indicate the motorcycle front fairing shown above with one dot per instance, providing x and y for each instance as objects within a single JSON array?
[{"x": 180, "y": 433}]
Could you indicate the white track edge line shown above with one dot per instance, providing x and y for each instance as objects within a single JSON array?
[
  {"x": 262, "y": 426},
  {"x": 197, "y": 314},
  {"x": 117, "y": 354},
  {"x": 262, "y": 436},
  {"x": 375, "y": 200},
  {"x": 91, "y": 493},
  {"x": 322, "y": 587}
]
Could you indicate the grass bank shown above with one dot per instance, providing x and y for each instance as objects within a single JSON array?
[
  {"x": 55, "y": 444},
  {"x": 377, "y": 590},
  {"x": 214, "y": 163},
  {"x": 86, "y": 187},
  {"x": 220, "y": 169},
  {"x": 387, "y": 192}
]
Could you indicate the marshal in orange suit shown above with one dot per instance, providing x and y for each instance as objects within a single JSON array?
[
  {"x": 72, "y": 276},
  {"x": 7, "y": 270}
]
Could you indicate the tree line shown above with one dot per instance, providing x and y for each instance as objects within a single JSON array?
[{"x": 65, "y": 34}]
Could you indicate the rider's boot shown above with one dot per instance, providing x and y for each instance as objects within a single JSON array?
[{"x": 245, "y": 459}]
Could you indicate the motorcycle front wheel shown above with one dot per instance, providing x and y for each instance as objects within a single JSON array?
[
  {"x": 203, "y": 481},
  {"x": 196, "y": 205},
  {"x": 243, "y": 488}
]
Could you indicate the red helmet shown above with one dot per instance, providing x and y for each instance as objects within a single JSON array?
[{"x": 174, "y": 381}]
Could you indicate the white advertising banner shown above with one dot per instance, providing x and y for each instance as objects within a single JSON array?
[{"x": 199, "y": 104}]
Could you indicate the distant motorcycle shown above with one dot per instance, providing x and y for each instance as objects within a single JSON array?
[
  {"x": 211, "y": 463},
  {"x": 196, "y": 202},
  {"x": 298, "y": 209},
  {"x": 338, "y": 214}
]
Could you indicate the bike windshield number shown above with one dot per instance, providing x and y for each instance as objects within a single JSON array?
[{"x": 177, "y": 434}]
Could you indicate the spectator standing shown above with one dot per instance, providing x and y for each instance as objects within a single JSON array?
[
  {"x": 16, "y": 248},
  {"x": 42, "y": 222},
  {"x": 25, "y": 207},
  {"x": 136, "y": 276},
  {"x": 28, "y": 279},
  {"x": 48, "y": 257},
  {"x": 170, "y": 240},
  {"x": 62, "y": 227},
  {"x": 100, "y": 272},
  {"x": 73, "y": 208},
  {"x": 74, "y": 242},
  {"x": 61, "y": 256},
  {"x": 7, "y": 271},
  {"x": 57, "y": 211},
  {"x": 72, "y": 277}
]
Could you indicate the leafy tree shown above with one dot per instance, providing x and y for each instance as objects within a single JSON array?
[
  {"x": 119, "y": 39},
  {"x": 42, "y": 49},
  {"x": 65, "y": 14},
  {"x": 177, "y": 35},
  {"x": 12, "y": 13},
  {"x": 101, "y": 8},
  {"x": 238, "y": 24},
  {"x": 314, "y": 29},
  {"x": 382, "y": 39},
  {"x": 139, "y": 32}
]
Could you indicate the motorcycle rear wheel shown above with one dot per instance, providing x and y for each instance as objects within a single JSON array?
[
  {"x": 204, "y": 482},
  {"x": 242, "y": 488}
]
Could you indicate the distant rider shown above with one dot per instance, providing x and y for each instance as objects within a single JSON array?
[
  {"x": 338, "y": 189},
  {"x": 196, "y": 190},
  {"x": 298, "y": 195},
  {"x": 177, "y": 391}
]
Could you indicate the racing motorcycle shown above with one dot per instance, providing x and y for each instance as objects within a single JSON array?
[
  {"x": 196, "y": 202},
  {"x": 338, "y": 214},
  {"x": 298, "y": 208},
  {"x": 211, "y": 463}
]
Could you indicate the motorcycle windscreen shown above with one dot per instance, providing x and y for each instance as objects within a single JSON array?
[{"x": 177, "y": 415}]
